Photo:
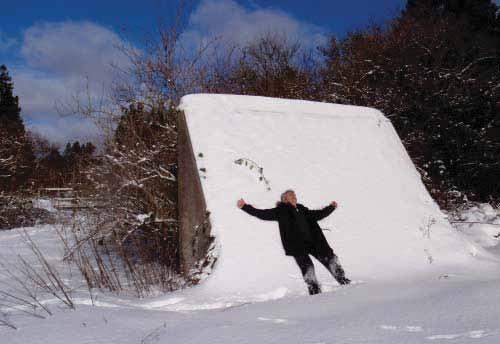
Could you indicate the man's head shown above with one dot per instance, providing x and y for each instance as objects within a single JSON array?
[{"x": 289, "y": 197}]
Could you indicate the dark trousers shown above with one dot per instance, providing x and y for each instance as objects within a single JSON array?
[{"x": 330, "y": 262}]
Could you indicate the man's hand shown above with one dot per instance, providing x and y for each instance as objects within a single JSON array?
[
  {"x": 241, "y": 203},
  {"x": 334, "y": 205}
]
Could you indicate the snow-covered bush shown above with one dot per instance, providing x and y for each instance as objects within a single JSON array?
[
  {"x": 481, "y": 222},
  {"x": 18, "y": 211}
]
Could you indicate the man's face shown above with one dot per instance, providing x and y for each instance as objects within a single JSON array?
[{"x": 291, "y": 198}]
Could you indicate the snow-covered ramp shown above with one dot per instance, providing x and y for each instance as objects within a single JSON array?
[{"x": 386, "y": 227}]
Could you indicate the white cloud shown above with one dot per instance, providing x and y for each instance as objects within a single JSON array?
[
  {"x": 39, "y": 92},
  {"x": 237, "y": 25},
  {"x": 82, "y": 49},
  {"x": 59, "y": 61}
]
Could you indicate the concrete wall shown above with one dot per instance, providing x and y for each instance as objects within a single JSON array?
[{"x": 194, "y": 235}]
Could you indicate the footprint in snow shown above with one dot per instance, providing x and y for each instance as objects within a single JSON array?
[
  {"x": 402, "y": 328},
  {"x": 476, "y": 334},
  {"x": 329, "y": 287},
  {"x": 273, "y": 320},
  {"x": 413, "y": 329}
]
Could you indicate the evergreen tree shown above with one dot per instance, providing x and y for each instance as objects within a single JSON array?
[
  {"x": 77, "y": 150},
  {"x": 88, "y": 149},
  {"x": 16, "y": 154},
  {"x": 67, "y": 151},
  {"x": 10, "y": 112},
  {"x": 481, "y": 15}
]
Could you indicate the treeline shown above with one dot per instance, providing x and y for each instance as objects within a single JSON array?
[
  {"x": 56, "y": 169},
  {"x": 27, "y": 160}
]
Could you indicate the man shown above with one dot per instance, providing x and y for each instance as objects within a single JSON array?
[{"x": 301, "y": 236}]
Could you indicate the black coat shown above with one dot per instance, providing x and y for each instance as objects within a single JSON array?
[{"x": 291, "y": 238}]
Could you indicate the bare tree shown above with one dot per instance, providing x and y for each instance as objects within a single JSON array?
[{"x": 130, "y": 239}]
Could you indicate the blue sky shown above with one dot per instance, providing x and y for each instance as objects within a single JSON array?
[
  {"x": 335, "y": 16},
  {"x": 53, "y": 47}
]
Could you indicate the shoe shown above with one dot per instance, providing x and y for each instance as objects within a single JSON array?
[
  {"x": 314, "y": 289},
  {"x": 344, "y": 281}
]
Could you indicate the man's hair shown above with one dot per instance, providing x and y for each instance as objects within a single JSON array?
[{"x": 282, "y": 197}]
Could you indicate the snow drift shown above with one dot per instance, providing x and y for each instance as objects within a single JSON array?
[{"x": 386, "y": 227}]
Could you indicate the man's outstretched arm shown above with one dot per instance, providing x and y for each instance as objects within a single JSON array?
[
  {"x": 263, "y": 214},
  {"x": 322, "y": 213}
]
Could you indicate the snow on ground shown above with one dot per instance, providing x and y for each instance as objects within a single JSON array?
[
  {"x": 44, "y": 203},
  {"x": 417, "y": 279},
  {"x": 461, "y": 308}
]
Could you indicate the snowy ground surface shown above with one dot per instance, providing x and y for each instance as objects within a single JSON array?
[
  {"x": 459, "y": 307},
  {"x": 417, "y": 278}
]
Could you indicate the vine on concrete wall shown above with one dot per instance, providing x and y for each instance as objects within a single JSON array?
[{"x": 253, "y": 165}]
